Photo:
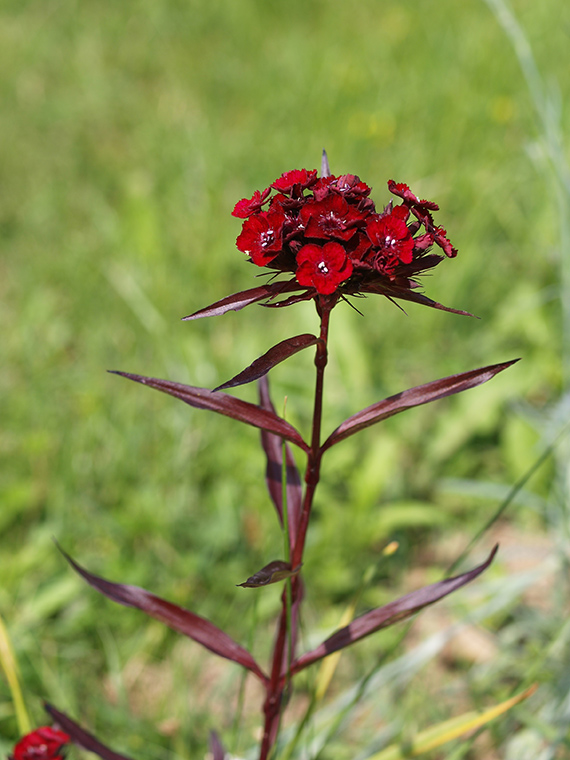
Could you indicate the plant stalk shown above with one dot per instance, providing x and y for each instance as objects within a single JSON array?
[{"x": 275, "y": 688}]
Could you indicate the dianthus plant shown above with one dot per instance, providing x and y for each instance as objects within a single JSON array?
[{"x": 320, "y": 239}]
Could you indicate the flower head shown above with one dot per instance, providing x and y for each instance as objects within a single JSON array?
[
  {"x": 44, "y": 743},
  {"x": 327, "y": 232}
]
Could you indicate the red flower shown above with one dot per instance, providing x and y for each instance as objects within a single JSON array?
[
  {"x": 326, "y": 233},
  {"x": 297, "y": 179},
  {"x": 246, "y": 207},
  {"x": 440, "y": 237},
  {"x": 261, "y": 236},
  {"x": 390, "y": 234},
  {"x": 358, "y": 247},
  {"x": 323, "y": 268},
  {"x": 330, "y": 218},
  {"x": 44, "y": 743},
  {"x": 348, "y": 185},
  {"x": 404, "y": 192}
]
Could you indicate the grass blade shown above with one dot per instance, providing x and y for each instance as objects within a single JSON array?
[{"x": 444, "y": 732}]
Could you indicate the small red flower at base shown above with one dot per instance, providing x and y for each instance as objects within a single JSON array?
[
  {"x": 323, "y": 268},
  {"x": 44, "y": 743}
]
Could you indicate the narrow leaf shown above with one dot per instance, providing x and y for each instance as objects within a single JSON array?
[
  {"x": 422, "y": 394},
  {"x": 391, "y": 613},
  {"x": 272, "y": 573},
  {"x": 238, "y": 301},
  {"x": 80, "y": 736},
  {"x": 274, "y": 452},
  {"x": 436, "y": 736},
  {"x": 305, "y": 295},
  {"x": 404, "y": 293},
  {"x": 202, "y": 398},
  {"x": 270, "y": 359},
  {"x": 179, "y": 619},
  {"x": 217, "y": 750}
]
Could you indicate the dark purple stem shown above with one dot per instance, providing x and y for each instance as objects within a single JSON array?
[
  {"x": 276, "y": 686},
  {"x": 315, "y": 453}
]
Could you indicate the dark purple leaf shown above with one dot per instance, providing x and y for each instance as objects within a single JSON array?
[
  {"x": 179, "y": 619},
  {"x": 238, "y": 301},
  {"x": 270, "y": 359},
  {"x": 80, "y": 736},
  {"x": 275, "y": 571},
  {"x": 405, "y": 293},
  {"x": 306, "y": 295},
  {"x": 216, "y": 747},
  {"x": 202, "y": 398},
  {"x": 391, "y": 613},
  {"x": 422, "y": 394},
  {"x": 272, "y": 445}
]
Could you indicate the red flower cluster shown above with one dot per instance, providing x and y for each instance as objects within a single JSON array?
[
  {"x": 44, "y": 743},
  {"x": 327, "y": 232}
]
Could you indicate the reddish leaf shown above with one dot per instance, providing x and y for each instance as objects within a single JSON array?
[
  {"x": 202, "y": 398},
  {"x": 391, "y": 613},
  {"x": 179, "y": 619},
  {"x": 81, "y": 737},
  {"x": 270, "y": 359},
  {"x": 217, "y": 750},
  {"x": 404, "y": 293},
  {"x": 272, "y": 445},
  {"x": 238, "y": 301},
  {"x": 275, "y": 571},
  {"x": 305, "y": 295},
  {"x": 422, "y": 394}
]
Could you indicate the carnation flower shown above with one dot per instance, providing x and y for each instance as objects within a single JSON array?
[
  {"x": 245, "y": 207},
  {"x": 307, "y": 215},
  {"x": 44, "y": 743},
  {"x": 326, "y": 232},
  {"x": 391, "y": 237},
  {"x": 323, "y": 267},
  {"x": 295, "y": 180},
  {"x": 261, "y": 236},
  {"x": 330, "y": 218}
]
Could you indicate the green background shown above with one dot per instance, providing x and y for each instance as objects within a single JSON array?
[{"x": 127, "y": 132}]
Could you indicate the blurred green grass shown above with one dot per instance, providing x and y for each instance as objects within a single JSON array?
[{"x": 128, "y": 131}]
